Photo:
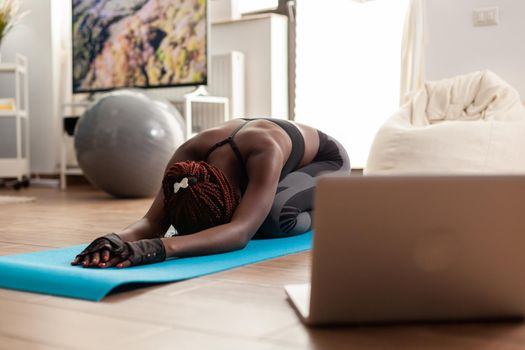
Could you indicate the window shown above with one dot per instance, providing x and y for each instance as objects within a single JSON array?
[{"x": 348, "y": 63}]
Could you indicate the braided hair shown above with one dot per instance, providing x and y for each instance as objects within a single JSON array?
[{"x": 208, "y": 200}]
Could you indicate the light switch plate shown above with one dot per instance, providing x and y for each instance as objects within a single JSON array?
[{"x": 486, "y": 16}]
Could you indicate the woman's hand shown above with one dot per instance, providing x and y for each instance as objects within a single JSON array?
[
  {"x": 93, "y": 260},
  {"x": 100, "y": 251},
  {"x": 99, "y": 254}
]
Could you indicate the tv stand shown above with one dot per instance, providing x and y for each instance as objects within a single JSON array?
[{"x": 71, "y": 113}]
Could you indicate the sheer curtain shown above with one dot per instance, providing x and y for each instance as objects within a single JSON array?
[
  {"x": 348, "y": 68},
  {"x": 412, "y": 51}
]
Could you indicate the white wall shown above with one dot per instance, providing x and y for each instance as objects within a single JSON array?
[
  {"x": 455, "y": 46},
  {"x": 35, "y": 38}
]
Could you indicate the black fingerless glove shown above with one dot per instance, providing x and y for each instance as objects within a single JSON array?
[
  {"x": 146, "y": 251},
  {"x": 111, "y": 242}
]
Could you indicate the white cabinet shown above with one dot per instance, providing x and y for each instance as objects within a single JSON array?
[
  {"x": 14, "y": 122},
  {"x": 263, "y": 39}
]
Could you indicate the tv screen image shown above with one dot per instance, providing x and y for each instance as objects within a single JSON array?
[{"x": 138, "y": 43}]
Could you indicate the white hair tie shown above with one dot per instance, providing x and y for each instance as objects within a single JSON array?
[{"x": 182, "y": 184}]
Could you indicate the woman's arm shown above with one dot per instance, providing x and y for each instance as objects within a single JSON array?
[
  {"x": 155, "y": 223},
  {"x": 263, "y": 169}
]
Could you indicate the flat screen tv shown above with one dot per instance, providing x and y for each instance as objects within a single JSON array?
[{"x": 139, "y": 43}]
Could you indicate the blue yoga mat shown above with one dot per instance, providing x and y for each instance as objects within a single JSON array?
[{"x": 50, "y": 272}]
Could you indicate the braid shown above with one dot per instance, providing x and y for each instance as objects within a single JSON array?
[{"x": 208, "y": 201}]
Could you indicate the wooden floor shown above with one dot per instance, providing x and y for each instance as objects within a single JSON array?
[{"x": 244, "y": 308}]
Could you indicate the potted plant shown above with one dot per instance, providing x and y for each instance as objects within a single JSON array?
[{"x": 10, "y": 15}]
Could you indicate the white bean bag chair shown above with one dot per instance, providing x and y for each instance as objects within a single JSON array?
[{"x": 473, "y": 123}]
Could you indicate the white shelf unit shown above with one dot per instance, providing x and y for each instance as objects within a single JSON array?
[
  {"x": 202, "y": 111},
  {"x": 17, "y": 165},
  {"x": 69, "y": 110}
]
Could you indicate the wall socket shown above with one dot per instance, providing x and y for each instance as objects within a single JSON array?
[{"x": 486, "y": 16}]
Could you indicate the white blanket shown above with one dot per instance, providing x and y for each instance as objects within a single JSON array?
[{"x": 473, "y": 123}]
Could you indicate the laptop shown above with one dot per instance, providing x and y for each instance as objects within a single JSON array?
[{"x": 415, "y": 248}]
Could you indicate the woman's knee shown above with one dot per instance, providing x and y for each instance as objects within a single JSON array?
[
  {"x": 293, "y": 198},
  {"x": 301, "y": 223},
  {"x": 289, "y": 221}
]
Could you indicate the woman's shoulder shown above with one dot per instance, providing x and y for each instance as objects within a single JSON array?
[
  {"x": 200, "y": 143},
  {"x": 263, "y": 138}
]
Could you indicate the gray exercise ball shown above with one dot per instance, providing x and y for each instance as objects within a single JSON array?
[{"x": 124, "y": 141}]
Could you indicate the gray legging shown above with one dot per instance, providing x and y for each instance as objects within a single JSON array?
[{"x": 292, "y": 207}]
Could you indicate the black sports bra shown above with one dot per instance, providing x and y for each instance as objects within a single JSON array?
[{"x": 291, "y": 164}]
